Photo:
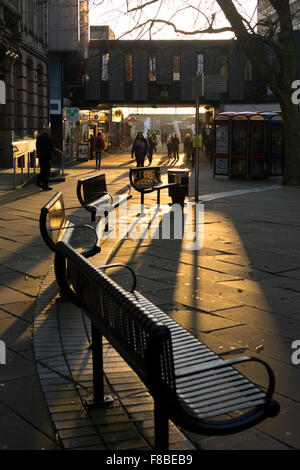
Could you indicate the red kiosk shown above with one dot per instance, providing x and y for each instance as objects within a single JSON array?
[
  {"x": 222, "y": 143},
  {"x": 257, "y": 162},
  {"x": 240, "y": 144}
]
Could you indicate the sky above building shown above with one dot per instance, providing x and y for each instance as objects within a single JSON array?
[{"x": 124, "y": 15}]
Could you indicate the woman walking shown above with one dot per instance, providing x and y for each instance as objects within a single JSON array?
[{"x": 140, "y": 149}]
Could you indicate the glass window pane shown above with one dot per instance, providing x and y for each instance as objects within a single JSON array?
[
  {"x": 224, "y": 65},
  {"x": 128, "y": 67},
  {"x": 104, "y": 67},
  {"x": 152, "y": 68},
  {"x": 176, "y": 68},
  {"x": 200, "y": 64}
]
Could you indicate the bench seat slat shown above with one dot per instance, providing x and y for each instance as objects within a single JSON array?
[
  {"x": 226, "y": 388},
  {"x": 217, "y": 407},
  {"x": 192, "y": 385}
]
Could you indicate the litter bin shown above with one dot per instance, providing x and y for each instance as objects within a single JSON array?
[{"x": 181, "y": 177}]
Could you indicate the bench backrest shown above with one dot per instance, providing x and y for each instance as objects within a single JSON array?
[
  {"x": 90, "y": 189},
  {"x": 142, "y": 340},
  {"x": 145, "y": 177},
  {"x": 53, "y": 220}
]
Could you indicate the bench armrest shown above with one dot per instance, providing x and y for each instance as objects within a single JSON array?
[
  {"x": 78, "y": 239},
  {"x": 219, "y": 364},
  {"x": 115, "y": 265}
]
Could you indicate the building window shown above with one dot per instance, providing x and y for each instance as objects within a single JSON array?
[
  {"x": 176, "y": 68},
  {"x": 40, "y": 97},
  {"x": 248, "y": 70},
  {"x": 104, "y": 67},
  {"x": 30, "y": 97},
  {"x": 200, "y": 64},
  {"x": 128, "y": 67},
  {"x": 152, "y": 68},
  {"x": 224, "y": 65}
]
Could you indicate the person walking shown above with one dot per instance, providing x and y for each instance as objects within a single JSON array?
[
  {"x": 175, "y": 142},
  {"x": 187, "y": 146},
  {"x": 152, "y": 147},
  {"x": 91, "y": 146},
  {"x": 98, "y": 148},
  {"x": 44, "y": 149},
  {"x": 140, "y": 149},
  {"x": 170, "y": 148}
]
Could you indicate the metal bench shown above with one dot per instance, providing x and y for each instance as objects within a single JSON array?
[
  {"x": 92, "y": 194},
  {"x": 148, "y": 179},
  {"x": 55, "y": 227},
  {"x": 190, "y": 384}
]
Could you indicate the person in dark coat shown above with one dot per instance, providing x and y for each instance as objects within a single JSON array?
[
  {"x": 44, "y": 149},
  {"x": 175, "y": 142},
  {"x": 187, "y": 146},
  {"x": 140, "y": 149},
  {"x": 170, "y": 148},
  {"x": 152, "y": 147},
  {"x": 99, "y": 146}
]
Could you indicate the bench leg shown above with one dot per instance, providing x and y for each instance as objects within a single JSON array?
[
  {"x": 98, "y": 398},
  {"x": 161, "y": 426},
  {"x": 158, "y": 197}
]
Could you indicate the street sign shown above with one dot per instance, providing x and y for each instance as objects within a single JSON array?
[
  {"x": 197, "y": 141},
  {"x": 72, "y": 114}
]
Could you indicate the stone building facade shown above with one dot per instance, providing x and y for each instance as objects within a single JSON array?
[{"x": 24, "y": 69}]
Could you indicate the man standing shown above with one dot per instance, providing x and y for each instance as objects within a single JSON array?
[
  {"x": 44, "y": 149},
  {"x": 98, "y": 147},
  {"x": 175, "y": 142}
]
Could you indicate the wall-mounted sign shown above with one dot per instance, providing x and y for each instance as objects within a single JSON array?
[
  {"x": 118, "y": 113},
  {"x": 197, "y": 141},
  {"x": 72, "y": 114}
]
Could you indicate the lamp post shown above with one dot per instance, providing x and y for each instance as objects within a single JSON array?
[{"x": 198, "y": 91}]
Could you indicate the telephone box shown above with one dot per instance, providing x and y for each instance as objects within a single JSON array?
[
  {"x": 240, "y": 144},
  {"x": 258, "y": 159},
  {"x": 275, "y": 148},
  {"x": 222, "y": 143}
]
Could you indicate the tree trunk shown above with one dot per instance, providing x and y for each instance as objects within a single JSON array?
[{"x": 291, "y": 132}]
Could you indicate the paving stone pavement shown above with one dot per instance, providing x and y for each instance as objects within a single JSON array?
[{"x": 239, "y": 293}]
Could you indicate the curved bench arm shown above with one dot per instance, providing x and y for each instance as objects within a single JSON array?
[
  {"x": 115, "y": 265},
  {"x": 188, "y": 371}
]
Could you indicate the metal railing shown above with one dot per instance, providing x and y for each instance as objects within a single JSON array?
[
  {"x": 24, "y": 161},
  {"x": 27, "y": 161}
]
